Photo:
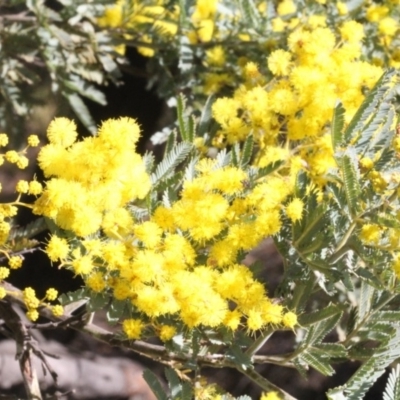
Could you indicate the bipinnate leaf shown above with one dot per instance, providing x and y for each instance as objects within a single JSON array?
[
  {"x": 171, "y": 161},
  {"x": 318, "y": 316},
  {"x": 178, "y": 389},
  {"x": 392, "y": 390},
  {"x": 206, "y": 117},
  {"x": 82, "y": 112},
  {"x": 235, "y": 153},
  {"x": 318, "y": 361},
  {"x": 366, "y": 293},
  {"x": 269, "y": 169},
  {"x": 171, "y": 142},
  {"x": 154, "y": 384},
  {"x": 186, "y": 125},
  {"x": 32, "y": 229},
  {"x": 351, "y": 183},
  {"x": 236, "y": 355},
  {"x": 367, "y": 108},
  {"x": 247, "y": 151},
  {"x": 317, "y": 332},
  {"x": 115, "y": 311},
  {"x": 250, "y": 13},
  {"x": 370, "y": 371},
  {"x": 337, "y": 126}
]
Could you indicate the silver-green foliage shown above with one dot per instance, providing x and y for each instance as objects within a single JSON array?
[{"x": 59, "y": 47}]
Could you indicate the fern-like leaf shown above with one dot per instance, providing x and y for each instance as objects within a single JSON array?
[
  {"x": 154, "y": 384},
  {"x": 186, "y": 129},
  {"x": 392, "y": 390},
  {"x": 250, "y": 13},
  {"x": 205, "y": 118},
  {"x": 171, "y": 161},
  {"x": 351, "y": 183},
  {"x": 28, "y": 231},
  {"x": 368, "y": 106},
  {"x": 318, "y": 362},
  {"x": 247, "y": 151},
  {"x": 318, "y": 331},
  {"x": 337, "y": 126},
  {"x": 369, "y": 372},
  {"x": 366, "y": 293}
]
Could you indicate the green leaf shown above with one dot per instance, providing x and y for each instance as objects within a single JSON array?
[
  {"x": 178, "y": 389},
  {"x": 301, "y": 366},
  {"x": 368, "y": 106},
  {"x": 351, "y": 183},
  {"x": 148, "y": 160},
  {"x": 247, "y": 151},
  {"x": 337, "y": 126},
  {"x": 97, "y": 301},
  {"x": 314, "y": 245},
  {"x": 369, "y": 277},
  {"x": 223, "y": 158},
  {"x": 171, "y": 142},
  {"x": 301, "y": 293},
  {"x": 310, "y": 226},
  {"x": 389, "y": 317},
  {"x": 250, "y": 13},
  {"x": 318, "y": 316},
  {"x": 267, "y": 170},
  {"x": 81, "y": 111},
  {"x": 336, "y": 350},
  {"x": 376, "y": 331},
  {"x": 319, "y": 330},
  {"x": 206, "y": 117},
  {"x": 378, "y": 132},
  {"x": 385, "y": 159},
  {"x": 186, "y": 125},
  {"x": 25, "y": 232},
  {"x": 71, "y": 301},
  {"x": 115, "y": 311},
  {"x": 154, "y": 384},
  {"x": 318, "y": 362},
  {"x": 235, "y": 155},
  {"x": 191, "y": 128},
  {"x": 236, "y": 355},
  {"x": 302, "y": 182},
  {"x": 365, "y": 298},
  {"x": 85, "y": 89},
  {"x": 387, "y": 220},
  {"x": 392, "y": 389},
  {"x": 171, "y": 161},
  {"x": 369, "y": 372}
]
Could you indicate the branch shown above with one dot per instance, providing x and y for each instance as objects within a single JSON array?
[
  {"x": 156, "y": 352},
  {"x": 25, "y": 346},
  {"x": 21, "y": 17}
]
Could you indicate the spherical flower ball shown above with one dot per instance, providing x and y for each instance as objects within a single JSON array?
[
  {"x": 57, "y": 248},
  {"x": 133, "y": 328},
  {"x": 167, "y": 332},
  {"x": 289, "y": 319},
  {"x": 294, "y": 210},
  {"x": 123, "y": 132},
  {"x": 279, "y": 62},
  {"x": 62, "y": 131}
]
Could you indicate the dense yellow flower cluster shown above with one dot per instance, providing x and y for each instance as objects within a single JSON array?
[
  {"x": 181, "y": 261},
  {"x": 93, "y": 179},
  {"x": 289, "y": 116}
]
